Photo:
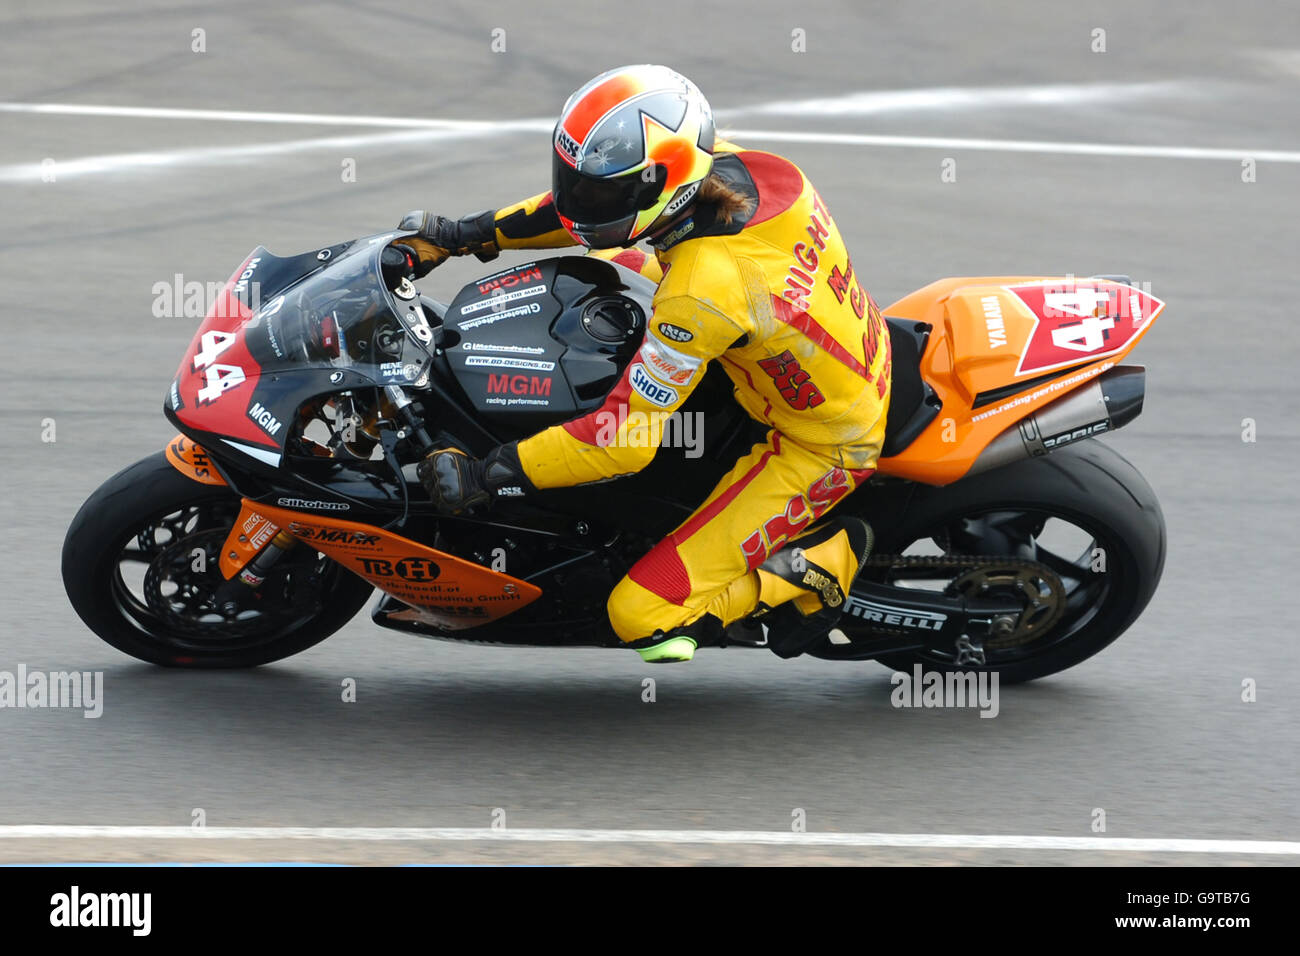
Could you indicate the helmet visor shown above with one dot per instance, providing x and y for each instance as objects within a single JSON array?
[{"x": 597, "y": 205}]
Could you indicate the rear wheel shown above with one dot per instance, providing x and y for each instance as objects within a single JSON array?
[
  {"x": 141, "y": 568},
  {"x": 1084, "y": 539}
]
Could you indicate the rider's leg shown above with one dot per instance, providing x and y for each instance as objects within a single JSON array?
[
  {"x": 706, "y": 574},
  {"x": 803, "y": 586}
]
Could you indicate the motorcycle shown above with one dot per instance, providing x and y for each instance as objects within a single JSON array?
[{"x": 1007, "y": 536}]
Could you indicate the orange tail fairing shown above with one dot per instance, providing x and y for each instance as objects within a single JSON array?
[
  {"x": 443, "y": 590},
  {"x": 1003, "y": 347}
]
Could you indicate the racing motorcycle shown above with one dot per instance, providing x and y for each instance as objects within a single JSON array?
[{"x": 1007, "y": 537}]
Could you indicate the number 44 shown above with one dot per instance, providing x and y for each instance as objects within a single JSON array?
[
  {"x": 220, "y": 377},
  {"x": 1087, "y": 335}
]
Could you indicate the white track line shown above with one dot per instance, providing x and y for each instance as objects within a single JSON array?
[
  {"x": 964, "y": 98},
  {"x": 116, "y": 162},
  {"x": 860, "y": 103},
  {"x": 1019, "y": 145},
  {"x": 730, "y": 837},
  {"x": 432, "y": 129},
  {"x": 252, "y": 116}
]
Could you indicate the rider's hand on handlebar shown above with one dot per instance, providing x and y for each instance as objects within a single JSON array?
[
  {"x": 456, "y": 482},
  {"x": 438, "y": 237},
  {"x": 424, "y": 256},
  {"x": 453, "y": 480}
]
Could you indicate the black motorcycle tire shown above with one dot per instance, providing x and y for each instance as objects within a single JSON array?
[
  {"x": 1088, "y": 481},
  {"x": 112, "y": 515}
]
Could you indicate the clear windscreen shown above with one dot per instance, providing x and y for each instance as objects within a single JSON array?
[{"x": 344, "y": 317}]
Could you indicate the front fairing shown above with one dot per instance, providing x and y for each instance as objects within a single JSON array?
[{"x": 260, "y": 355}]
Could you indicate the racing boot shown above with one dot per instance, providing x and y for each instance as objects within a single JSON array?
[
  {"x": 678, "y": 644},
  {"x": 802, "y": 587}
]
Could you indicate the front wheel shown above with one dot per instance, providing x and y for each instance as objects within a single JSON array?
[
  {"x": 141, "y": 568},
  {"x": 1083, "y": 513}
]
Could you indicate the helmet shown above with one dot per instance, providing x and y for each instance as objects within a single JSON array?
[{"x": 631, "y": 149}]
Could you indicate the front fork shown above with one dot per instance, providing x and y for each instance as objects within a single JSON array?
[
  {"x": 253, "y": 547},
  {"x": 255, "y": 543}
]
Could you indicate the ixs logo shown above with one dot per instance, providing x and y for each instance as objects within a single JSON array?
[
  {"x": 675, "y": 332},
  {"x": 800, "y": 511},
  {"x": 315, "y": 505},
  {"x": 792, "y": 381},
  {"x": 654, "y": 392},
  {"x": 568, "y": 147},
  {"x": 260, "y": 414},
  {"x": 505, "y": 384},
  {"x": 408, "y": 569}
]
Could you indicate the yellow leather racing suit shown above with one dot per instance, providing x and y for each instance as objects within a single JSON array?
[{"x": 774, "y": 297}]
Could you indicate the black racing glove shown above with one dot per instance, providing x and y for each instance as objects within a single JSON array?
[
  {"x": 439, "y": 237},
  {"x": 457, "y": 483}
]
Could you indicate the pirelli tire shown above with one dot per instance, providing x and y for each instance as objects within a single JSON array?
[
  {"x": 110, "y": 532},
  {"x": 1088, "y": 484}
]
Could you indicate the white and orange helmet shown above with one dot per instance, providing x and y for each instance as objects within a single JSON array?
[{"x": 631, "y": 149}]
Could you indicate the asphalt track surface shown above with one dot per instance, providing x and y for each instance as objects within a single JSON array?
[{"x": 1154, "y": 730}]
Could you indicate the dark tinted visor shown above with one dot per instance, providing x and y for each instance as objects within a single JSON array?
[
  {"x": 605, "y": 235},
  {"x": 591, "y": 200}
]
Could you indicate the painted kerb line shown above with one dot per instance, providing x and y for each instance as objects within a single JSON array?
[{"x": 716, "y": 837}]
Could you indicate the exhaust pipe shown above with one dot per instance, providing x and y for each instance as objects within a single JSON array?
[{"x": 1110, "y": 401}]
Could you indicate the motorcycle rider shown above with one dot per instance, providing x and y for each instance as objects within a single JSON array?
[{"x": 753, "y": 273}]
